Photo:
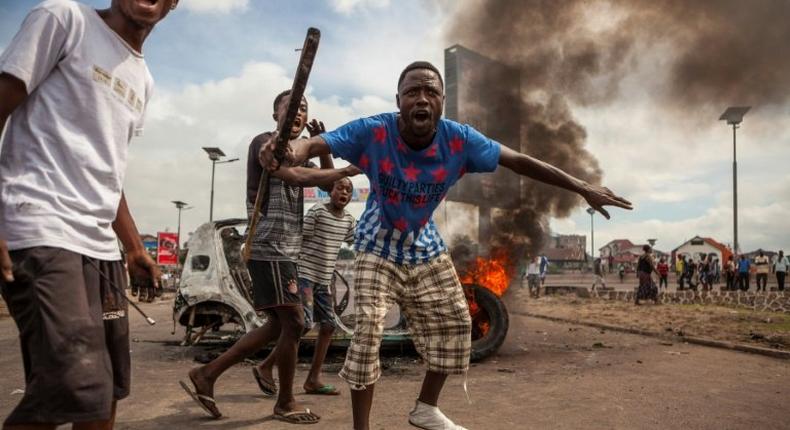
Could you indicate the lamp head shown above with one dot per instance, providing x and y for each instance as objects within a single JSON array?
[
  {"x": 214, "y": 153},
  {"x": 734, "y": 114}
]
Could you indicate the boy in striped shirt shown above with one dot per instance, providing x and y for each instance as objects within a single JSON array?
[{"x": 326, "y": 226}]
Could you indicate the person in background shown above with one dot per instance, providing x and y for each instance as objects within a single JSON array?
[
  {"x": 679, "y": 263},
  {"x": 780, "y": 269},
  {"x": 744, "y": 267},
  {"x": 533, "y": 276},
  {"x": 681, "y": 267},
  {"x": 729, "y": 273},
  {"x": 762, "y": 267},
  {"x": 544, "y": 268},
  {"x": 663, "y": 272},
  {"x": 598, "y": 273},
  {"x": 645, "y": 267},
  {"x": 690, "y": 272},
  {"x": 704, "y": 272}
]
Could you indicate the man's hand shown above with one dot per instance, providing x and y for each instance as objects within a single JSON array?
[
  {"x": 142, "y": 266},
  {"x": 351, "y": 170},
  {"x": 315, "y": 127},
  {"x": 598, "y": 197},
  {"x": 266, "y": 154},
  {"x": 6, "y": 266}
]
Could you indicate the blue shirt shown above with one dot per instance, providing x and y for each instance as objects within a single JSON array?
[
  {"x": 743, "y": 266},
  {"x": 407, "y": 185}
]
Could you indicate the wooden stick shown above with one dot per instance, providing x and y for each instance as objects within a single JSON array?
[{"x": 303, "y": 69}]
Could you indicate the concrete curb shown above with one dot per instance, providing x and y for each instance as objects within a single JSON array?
[{"x": 769, "y": 352}]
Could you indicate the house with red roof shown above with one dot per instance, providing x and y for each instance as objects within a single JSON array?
[{"x": 698, "y": 246}]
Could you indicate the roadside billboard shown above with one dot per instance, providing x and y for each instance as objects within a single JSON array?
[{"x": 167, "y": 251}]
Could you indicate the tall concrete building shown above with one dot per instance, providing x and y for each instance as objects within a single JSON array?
[{"x": 485, "y": 94}]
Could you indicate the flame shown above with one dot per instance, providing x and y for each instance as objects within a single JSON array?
[{"x": 491, "y": 273}]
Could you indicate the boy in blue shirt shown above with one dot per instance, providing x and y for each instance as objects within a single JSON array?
[{"x": 412, "y": 158}]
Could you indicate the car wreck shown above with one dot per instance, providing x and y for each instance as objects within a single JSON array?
[{"x": 215, "y": 291}]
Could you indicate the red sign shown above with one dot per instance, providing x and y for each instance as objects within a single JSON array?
[{"x": 167, "y": 251}]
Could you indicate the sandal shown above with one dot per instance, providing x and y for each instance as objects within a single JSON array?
[
  {"x": 326, "y": 390},
  {"x": 268, "y": 388},
  {"x": 206, "y": 402},
  {"x": 298, "y": 417}
]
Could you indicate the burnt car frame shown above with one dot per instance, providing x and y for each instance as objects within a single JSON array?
[{"x": 215, "y": 291}]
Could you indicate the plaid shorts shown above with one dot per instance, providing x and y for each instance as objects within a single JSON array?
[{"x": 431, "y": 298}]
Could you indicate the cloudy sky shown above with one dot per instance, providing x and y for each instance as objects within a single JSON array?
[{"x": 219, "y": 63}]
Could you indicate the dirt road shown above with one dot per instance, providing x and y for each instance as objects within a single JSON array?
[{"x": 547, "y": 376}]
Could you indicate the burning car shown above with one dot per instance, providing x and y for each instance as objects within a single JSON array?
[{"x": 215, "y": 291}]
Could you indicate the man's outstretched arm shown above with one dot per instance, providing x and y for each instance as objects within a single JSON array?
[
  {"x": 595, "y": 195},
  {"x": 309, "y": 177}
]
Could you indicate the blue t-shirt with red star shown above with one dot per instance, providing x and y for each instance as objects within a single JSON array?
[{"x": 407, "y": 185}]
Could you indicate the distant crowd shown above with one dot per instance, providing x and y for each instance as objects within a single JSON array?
[{"x": 737, "y": 272}]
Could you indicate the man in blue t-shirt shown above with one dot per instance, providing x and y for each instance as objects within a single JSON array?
[
  {"x": 744, "y": 268},
  {"x": 412, "y": 158}
]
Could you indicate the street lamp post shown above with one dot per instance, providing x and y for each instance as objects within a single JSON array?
[
  {"x": 180, "y": 206},
  {"x": 734, "y": 116},
  {"x": 591, "y": 211},
  {"x": 214, "y": 155}
]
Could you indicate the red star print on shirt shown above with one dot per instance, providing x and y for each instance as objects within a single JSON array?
[
  {"x": 386, "y": 166},
  {"x": 364, "y": 162},
  {"x": 380, "y": 134},
  {"x": 456, "y": 145},
  {"x": 431, "y": 152},
  {"x": 420, "y": 203},
  {"x": 462, "y": 172},
  {"x": 401, "y": 224},
  {"x": 424, "y": 221},
  {"x": 411, "y": 172},
  {"x": 439, "y": 174},
  {"x": 402, "y": 146},
  {"x": 393, "y": 198}
]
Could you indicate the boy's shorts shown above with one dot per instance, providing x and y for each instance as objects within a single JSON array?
[
  {"x": 74, "y": 333},
  {"x": 317, "y": 302},
  {"x": 274, "y": 284},
  {"x": 431, "y": 298}
]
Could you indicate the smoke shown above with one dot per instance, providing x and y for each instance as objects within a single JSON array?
[
  {"x": 577, "y": 52},
  {"x": 727, "y": 51}
]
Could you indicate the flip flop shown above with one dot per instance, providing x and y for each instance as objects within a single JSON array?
[
  {"x": 326, "y": 390},
  {"x": 207, "y": 403},
  {"x": 268, "y": 388},
  {"x": 298, "y": 417}
]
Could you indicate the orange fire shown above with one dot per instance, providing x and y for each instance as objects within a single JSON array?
[{"x": 492, "y": 273}]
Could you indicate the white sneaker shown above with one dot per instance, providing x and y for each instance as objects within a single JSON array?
[{"x": 429, "y": 417}]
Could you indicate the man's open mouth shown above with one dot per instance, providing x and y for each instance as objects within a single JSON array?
[{"x": 422, "y": 115}]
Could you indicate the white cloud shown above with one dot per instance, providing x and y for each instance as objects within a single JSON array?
[
  {"x": 167, "y": 163},
  {"x": 348, "y": 6},
  {"x": 214, "y": 6}
]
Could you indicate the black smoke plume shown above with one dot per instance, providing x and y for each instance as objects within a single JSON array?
[{"x": 576, "y": 52}]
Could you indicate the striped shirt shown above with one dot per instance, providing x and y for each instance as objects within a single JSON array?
[
  {"x": 322, "y": 236},
  {"x": 278, "y": 234}
]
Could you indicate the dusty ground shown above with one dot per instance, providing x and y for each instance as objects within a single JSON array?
[
  {"x": 546, "y": 376},
  {"x": 771, "y": 329}
]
